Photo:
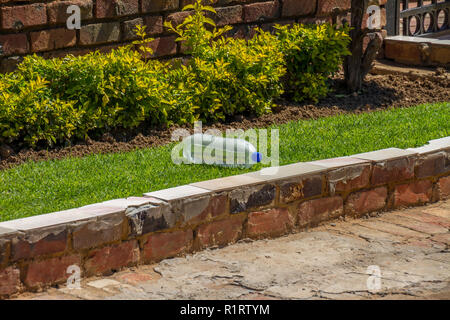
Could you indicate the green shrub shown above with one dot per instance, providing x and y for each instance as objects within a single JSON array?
[
  {"x": 227, "y": 76},
  {"x": 312, "y": 54}
]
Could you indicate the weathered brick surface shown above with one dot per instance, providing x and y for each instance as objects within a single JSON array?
[
  {"x": 300, "y": 188},
  {"x": 220, "y": 232},
  {"x": 19, "y": 17},
  {"x": 96, "y": 233},
  {"x": 273, "y": 222},
  {"x": 112, "y": 257},
  {"x": 159, "y": 5},
  {"x": 444, "y": 187},
  {"x": 417, "y": 192},
  {"x": 154, "y": 26},
  {"x": 14, "y": 44},
  {"x": 29, "y": 247},
  {"x": 244, "y": 199},
  {"x": 116, "y": 8},
  {"x": 326, "y": 7},
  {"x": 432, "y": 164},
  {"x": 393, "y": 171},
  {"x": 201, "y": 209},
  {"x": 50, "y": 270},
  {"x": 57, "y": 10},
  {"x": 366, "y": 201},
  {"x": 298, "y": 7},
  {"x": 52, "y": 39},
  {"x": 164, "y": 245},
  {"x": 9, "y": 281},
  {"x": 100, "y": 33},
  {"x": 261, "y": 11},
  {"x": 349, "y": 178},
  {"x": 313, "y": 212}
]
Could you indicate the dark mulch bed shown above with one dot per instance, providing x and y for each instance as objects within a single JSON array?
[{"x": 379, "y": 92}]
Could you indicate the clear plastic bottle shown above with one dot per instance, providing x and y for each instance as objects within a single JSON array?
[{"x": 215, "y": 150}]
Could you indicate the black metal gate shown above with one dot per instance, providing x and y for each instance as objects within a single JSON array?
[{"x": 427, "y": 17}]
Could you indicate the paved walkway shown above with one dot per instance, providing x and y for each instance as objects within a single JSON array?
[{"x": 409, "y": 248}]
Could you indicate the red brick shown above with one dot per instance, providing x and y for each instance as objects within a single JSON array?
[
  {"x": 50, "y": 271},
  {"x": 220, "y": 232},
  {"x": 444, "y": 187},
  {"x": 52, "y": 39},
  {"x": 9, "y": 281},
  {"x": 273, "y": 222},
  {"x": 159, "y": 5},
  {"x": 227, "y": 15},
  {"x": 326, "y": 7},
  {"x": 418, "y": 192},
  {"x": 432, "y": 165},
  {"x": 14, "y": 44},
  {"x": 261, "y": 11},
  {"x": 57, "y": 11},
  {"x": 313, "y": 212},
  {"x": 96, "y": 233},
  {"x": 112, "y": 258},
  {"x": 366, "y": 201},
  {"x": 204, "y": 208},
  {"x": 164, "y": 46},
  {"x": 393, "y": 171},
  {"x": 178, "y": 17},
  {"x": 349, "y": 178},
  {"x": 160, "y": 246},
  {"x": 19, "y": 17},
  {"x": 300, "y": 188},
  {"x": 100, "y": 33},
  {"x": 116, "y": 8},
  {"x": 298, "y": 8},
  {"x": 25, "y": 248}
]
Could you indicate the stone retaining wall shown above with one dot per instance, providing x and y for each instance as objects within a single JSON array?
[
  {"x": 39, "y": 26},
  {"x": 101, "y": 238}
]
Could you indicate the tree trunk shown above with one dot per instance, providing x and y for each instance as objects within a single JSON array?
[{"x": 359, "y": 63}]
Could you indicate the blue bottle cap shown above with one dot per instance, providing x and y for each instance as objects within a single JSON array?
[{"x": 256, "y": 157}]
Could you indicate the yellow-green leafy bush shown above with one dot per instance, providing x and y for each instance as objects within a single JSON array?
[
  {"x": 227, "y": 76},
  {"x": 312, "y": 54}
]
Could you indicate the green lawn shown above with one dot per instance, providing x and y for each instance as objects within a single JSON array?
[{"x": 43, "y": 187}]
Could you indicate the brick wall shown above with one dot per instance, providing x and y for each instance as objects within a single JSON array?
[
  {"x": 35, "y": 252},
  {"x": 39, "y": 26}
]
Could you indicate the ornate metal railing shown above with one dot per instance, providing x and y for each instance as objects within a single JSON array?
[{"x": 427, "y": 17}]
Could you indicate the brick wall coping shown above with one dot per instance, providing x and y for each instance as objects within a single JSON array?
[{"x": 104, "y": 237}]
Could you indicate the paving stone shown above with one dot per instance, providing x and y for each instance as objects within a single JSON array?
[
  {"x": 413, "y": 224},
  {"x": 178, "y": 193},
  {"x": 392, "y": 228},
  {"x": 102, "y": 283}
]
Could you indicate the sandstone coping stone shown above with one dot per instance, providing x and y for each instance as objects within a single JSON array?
[
  {"x": 228, "y": 183},
  {"x": 385, "y": 154},
  {"x": 339, "y": 162},
  {"x": 178, "y": 193},
  {"x": 286, "y": 172}
]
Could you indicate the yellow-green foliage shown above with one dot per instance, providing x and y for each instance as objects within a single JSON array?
[
  {"x": 56, "y": 100},
  {"x": 227, "y": 76},
  {"x": 312, "y": 54}
]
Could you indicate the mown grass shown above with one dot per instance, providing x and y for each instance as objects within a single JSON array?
[{"x": 47, "y": 186}]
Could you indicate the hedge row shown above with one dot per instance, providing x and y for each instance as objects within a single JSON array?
[{"x": 59, "y": 100}]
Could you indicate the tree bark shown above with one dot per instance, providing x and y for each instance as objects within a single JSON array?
[{"x": 359, "y": 63}]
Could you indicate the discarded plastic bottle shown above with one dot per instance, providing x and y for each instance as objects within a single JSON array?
[{"x": 215, "y": 150}]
